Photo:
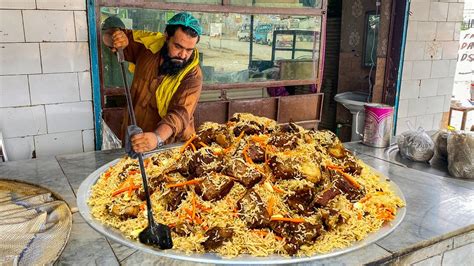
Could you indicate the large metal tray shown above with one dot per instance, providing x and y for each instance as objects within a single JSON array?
[{"x": 112, "y": 233}]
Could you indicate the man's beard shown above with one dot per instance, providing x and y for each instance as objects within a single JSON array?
[{"x": 172, "y": 65}]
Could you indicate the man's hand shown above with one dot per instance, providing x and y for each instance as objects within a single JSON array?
[
  {"x": 143, "y": 142},
  {"x": 115, "y": 39}
]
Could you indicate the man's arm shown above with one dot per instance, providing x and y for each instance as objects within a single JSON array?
[{"x": 178, "y": 117}]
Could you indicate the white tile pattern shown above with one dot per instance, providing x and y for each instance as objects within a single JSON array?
[
  {"x": 69, "y": 116},
  {"x": 54, "y": 88},
  {"x": 28, "y": 63},
  {"x": 46, "y": 25},
  {"x": 22, "y": 121},
  {"x": 11, "y": 26},
  {"x": 14, "y": 91}
]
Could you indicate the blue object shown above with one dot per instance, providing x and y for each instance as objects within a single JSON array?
[
  {"x": 400, "y": 67},
  {"x": 93, "y": 47},
  {"x": 186, "y": 19}
]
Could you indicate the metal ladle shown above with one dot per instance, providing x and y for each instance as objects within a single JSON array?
[{"x": 154, "y": 234}]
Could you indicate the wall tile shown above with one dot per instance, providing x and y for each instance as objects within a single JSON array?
[
  {"x": 11, "y": 26},
  {"x": 65, "y": 57},
  {"x": 421, "y": 69},
  {"x": 88, "y": 140},
  {"x": 59, "y": 143},
  {"x": 437, "y": 120},
  {"x": 426, "y": 31},
  {"x": 447, "y": 103},
  {"x": 69, "y": 116},
  {"x": 85, "y": 86},
  {"x": 417, "y": 107},
  {"x": 54, "y": 88},
  {"x": 14, "y": 91},
  {"x": 65, "y": 4},
  {"x": 17, "y": 4},
  {"x": 420, "y": 11},
  {"x": 19, "y": 148},
  {"x": 45, "y": 25},
  {"x": 412, "y": 30},
  {"x": 435, "y": 260},
  {"x": 80, "y": 22},
  {"x": 445, "y": 86},
  {"x": 402, "y": 124},
  {"x": 457, "y": 31},
  {"x": 433, "y": 51},
  {"x": 450, "y": 50},
  {"x": 455, "y": 12},
  {"x": 22, "y": 121},
  {"x": 414, "y": 50},
  {"x": 429, "y": 87},
  {"x": 435, "y": 104},
  {"x": 438, "y": 11},
  {"x": 402, "y": 108},
  {"x": 445, "y": 31},
  {"x": 464, "y": 239},
  {"x": 30, "y": 58},
  {"x": 452, "y": 67},
  {"x": 410, "y": 89},
  {"x": 440, "y": 69},
  {"x": 407, "y": 68},
  {"x": 424, "y": 121}
]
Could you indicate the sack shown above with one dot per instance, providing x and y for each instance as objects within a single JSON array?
[
  {"x": 441, "y": 144},
  {"x": 416, "y": 145},
  {"x": 109, "y": 140},
  {"x": 461, "y": 154}
]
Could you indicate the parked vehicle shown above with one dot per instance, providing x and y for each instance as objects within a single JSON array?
[
  {"x": 261, "y": 33},
  {"x": 243, "y": 35}
]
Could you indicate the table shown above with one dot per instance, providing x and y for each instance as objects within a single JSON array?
[{"x": 437, "y": 208}]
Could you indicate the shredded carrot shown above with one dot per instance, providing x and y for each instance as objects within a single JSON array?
[
  {"x": 172, "y": 225},
  {"x": 271, "y": 201},
  {"x": 277, "y": 189},
  {"x": 279, "y": 238},
  {"x": 366, "y": 198},
  {"x": 192, "y": 146},
  {"x": 246, "y": 156},
  {"x": 132, "y": 172},
  {"x": 183, "y": 148},
  {"x": 190, "y": 182},
  {"x": 142, "y": 206},
  {"x": 286, "y": 219},
  {"x": 107, "y": 175},
  {"x": 115, "y": 193},
  {"x": 205, "y": 227},
  {"x": 202, "y": 207},
  {"x": 260, "y": 232},
  {"x": 202, "y": 144},
  {"x": 333, "y": 167},
  {"x": 350, "y": 179},
  {"x": 359, "y": 216},
  {"x": 130, "y": 190}
]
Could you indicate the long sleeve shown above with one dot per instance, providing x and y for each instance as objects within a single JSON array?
[
  {"x": 134, "y": 49},
  {"x": 181, "y": 109}
]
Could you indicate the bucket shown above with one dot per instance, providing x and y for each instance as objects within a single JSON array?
[{"x": 378, "y": 125}]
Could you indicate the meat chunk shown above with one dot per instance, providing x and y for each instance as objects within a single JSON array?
[
  {"x": 216, "y": 237},
  {"x": 284, "y": 140},
  {"x": 351, "y": 166},
  {"x": 244, "y": 174},
  {"x": 125, "y": 212},
  {"x": 302, "y": 201},
  {"x": 214, "y": 187},
  {"x": 154, "y": 183},
  {"x": 251, "y": 128},
  {"x": 351, "y": 192},
  {"x": 326, "y": 195},
  {"x": 174, "y": 198},
  {"x": 204, "y": 161},
  {"x": 253, "y": 211},
  {"x": 183, "y": 229},
  {"x": 281, "y": 170},
  {"x": 256, "y": 153},
  {"x": 331, "y": 219},
  {"x": 296, "y": 234}
]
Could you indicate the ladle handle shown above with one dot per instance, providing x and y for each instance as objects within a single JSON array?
[{"x": 145, "y": 188}]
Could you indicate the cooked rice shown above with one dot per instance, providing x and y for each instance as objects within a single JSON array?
[{"x": 360, "y": 218}]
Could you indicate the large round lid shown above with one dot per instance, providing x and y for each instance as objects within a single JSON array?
[{"x": 34, "y": 224}]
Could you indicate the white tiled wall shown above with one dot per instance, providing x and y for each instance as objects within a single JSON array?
[
  {"x": 429, "y": 63},
  {"x": 45, "y": 82}
]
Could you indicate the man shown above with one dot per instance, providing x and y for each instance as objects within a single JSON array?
[{"x": 167, "y": 80}]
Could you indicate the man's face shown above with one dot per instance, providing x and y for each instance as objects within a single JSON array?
[{"x": 181, "y": 47}]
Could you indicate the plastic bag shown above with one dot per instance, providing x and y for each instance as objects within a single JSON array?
[
  {"x": 461, "y": 154},
  {"x": 109, "y": 140},
  {"x": 416, "y": 145},
  {"x": 441, "y": 144}
]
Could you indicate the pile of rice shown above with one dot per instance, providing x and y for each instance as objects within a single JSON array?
[{"x": 378, "y": 207}]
